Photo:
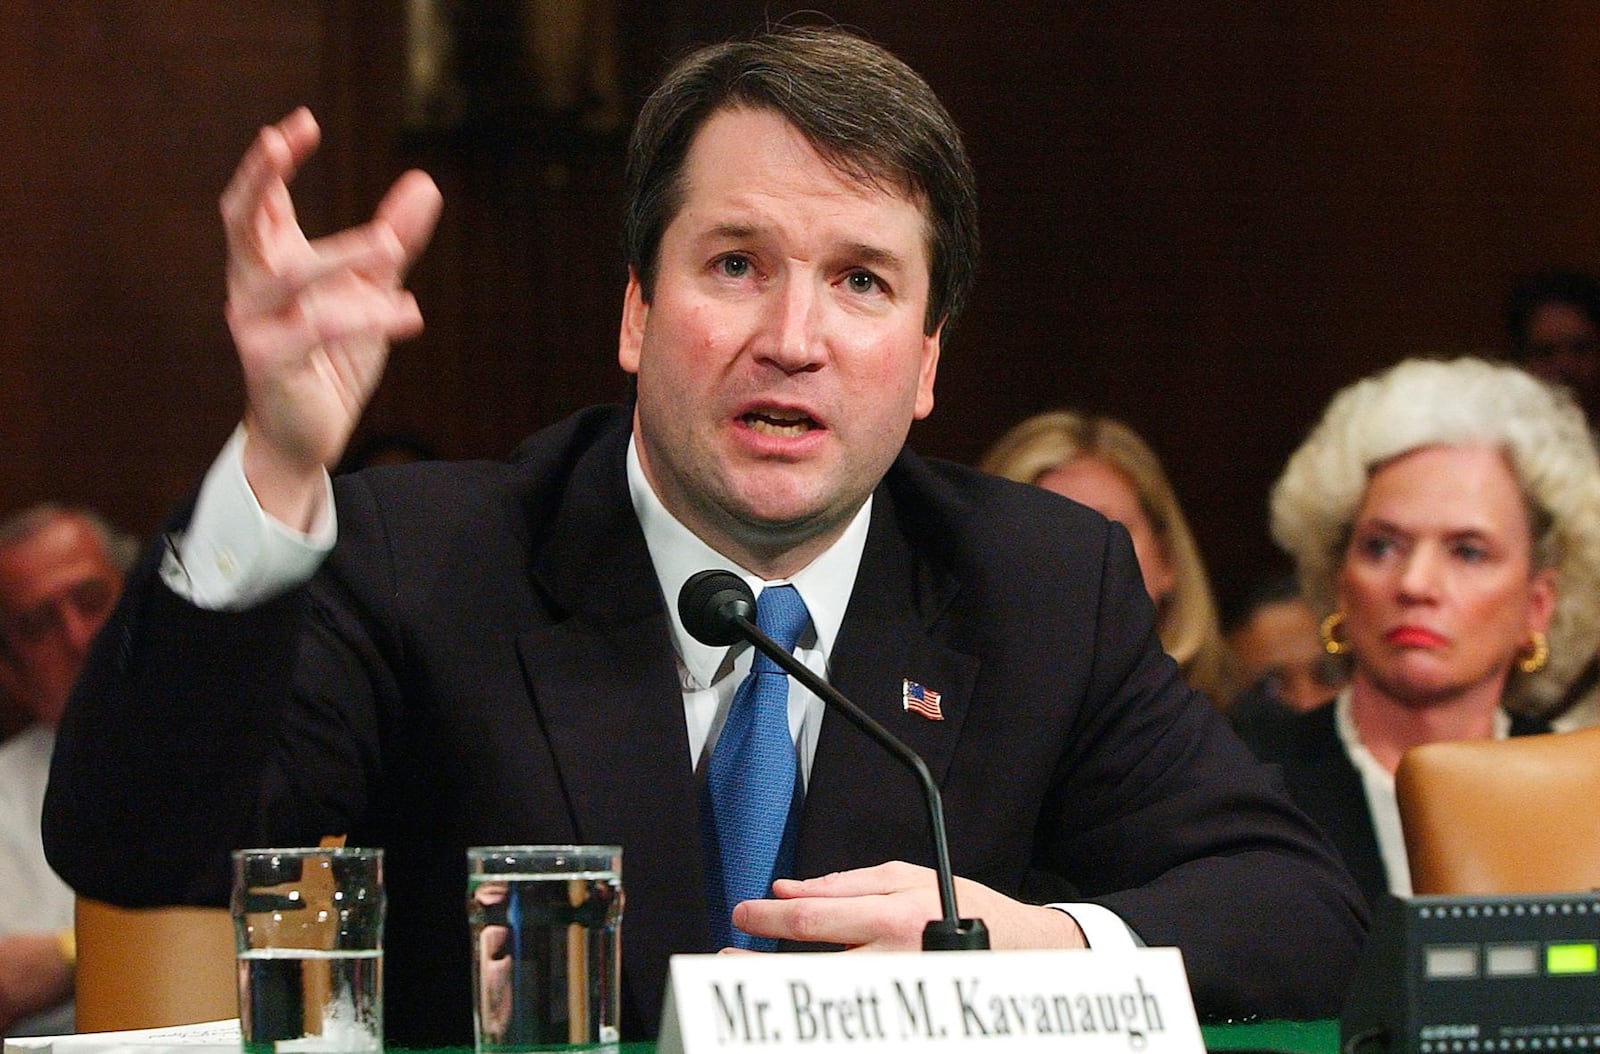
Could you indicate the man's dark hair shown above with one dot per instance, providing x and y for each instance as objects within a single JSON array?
[
  {"x": 861, "y": 108},
  {"x": 1277, "y": 589},
  {"x": 1574, "y": 288}
]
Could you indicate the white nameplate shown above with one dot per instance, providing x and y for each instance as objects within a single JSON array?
[{"x": 1088, "y": 1002}]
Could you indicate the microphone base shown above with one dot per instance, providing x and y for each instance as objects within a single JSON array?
[{"x": 965, "y": 935}]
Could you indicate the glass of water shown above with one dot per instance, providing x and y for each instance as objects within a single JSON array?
[
  {"x": 308, "y": 929},
  {"x": 546, "y": 924}
]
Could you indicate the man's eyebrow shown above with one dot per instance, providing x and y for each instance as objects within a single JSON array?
[
  {"x": 732, "y": 230},
  {"x": 876, "y": 255},
  {"x": 873, "y": 255}
]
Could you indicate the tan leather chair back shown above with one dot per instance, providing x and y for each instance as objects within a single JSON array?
[
  {"x": 1519, "y": 815},
  {"x": 150, "y": 967}
]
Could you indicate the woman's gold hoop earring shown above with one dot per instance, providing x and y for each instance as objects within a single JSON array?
[
  {"x": 1538, "y": 654},
  {"x": 1329, "y": 630}
]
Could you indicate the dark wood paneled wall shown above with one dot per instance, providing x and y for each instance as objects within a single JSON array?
[{"x": 1201, "y": 217}]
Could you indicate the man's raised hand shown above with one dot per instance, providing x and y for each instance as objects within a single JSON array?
[{"x": 312, "y": 320}]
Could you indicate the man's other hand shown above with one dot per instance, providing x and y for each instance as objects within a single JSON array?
[{"x": 885, "y": 908}]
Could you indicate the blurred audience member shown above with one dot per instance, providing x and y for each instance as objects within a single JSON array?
[
  {"x": 1553, "y": 320},
  {"x": 386, "y": 448},
  {"x": 1103, "y": 464},
  {"x": 1277, "y": 655},
  {"x": 1445, "y": 516},
  {"x": 60, "y": 575},
  {"x": 13, "y": 718}
]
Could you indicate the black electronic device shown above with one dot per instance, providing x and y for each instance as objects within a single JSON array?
[{"x": 1478, "y": 975}]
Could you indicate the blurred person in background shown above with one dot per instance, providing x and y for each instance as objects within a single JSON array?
[
  {"x": 1102, "y": 463},
  {"x": 1553, "y": 322},
  {"x": 13, "y": 718},
  {"x": 386, "y": 448},
  {"x": 61, "y": 572},
  {"x": 1276, "y": 656},
  {"x": 1444, "y": 518}
]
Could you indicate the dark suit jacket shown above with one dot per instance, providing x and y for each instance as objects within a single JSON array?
[
  {"x": 1323, "y": 781},
  {"x": 485, "y": 658}
]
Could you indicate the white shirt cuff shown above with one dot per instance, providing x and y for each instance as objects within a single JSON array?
[
  {"x": 1102, "y": 928},
  {"x": 234, "y": 555}
]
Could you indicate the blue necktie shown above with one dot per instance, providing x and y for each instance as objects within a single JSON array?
[{"x": 751, "y": 780}]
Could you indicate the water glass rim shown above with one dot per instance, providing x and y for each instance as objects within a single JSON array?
[
  {"x": 502, "y": 859},
  {"x": 348, "y": 852},
  {"x": 530, "y": 848}
]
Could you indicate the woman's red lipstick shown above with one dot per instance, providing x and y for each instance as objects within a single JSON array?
[{"x": 1414, "y": 637}]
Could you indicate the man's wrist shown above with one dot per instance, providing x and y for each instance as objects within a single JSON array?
[
  {"x": 289, "y": 492},
  {"x": 1101, "y": 927},
  {"x": 233, "y": 555}
]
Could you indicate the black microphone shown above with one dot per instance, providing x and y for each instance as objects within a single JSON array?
[{"x": 718, "y": 608}]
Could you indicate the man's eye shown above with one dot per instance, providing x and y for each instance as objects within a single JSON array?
[
  {"x": 862, "y": 281},
  {"x": 93, "y": 598},
  {"x": 734, "y": 266},
  {"x": 34, "y": 625}
]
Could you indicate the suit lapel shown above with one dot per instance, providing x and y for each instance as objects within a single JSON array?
[
  {"x": 862, "y": 806},
  {"x": 604, "y": 683}
]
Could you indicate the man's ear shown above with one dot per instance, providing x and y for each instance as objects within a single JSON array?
[
  {"x": 635, "y": 312},
  {"x": 928, "y": 371}
]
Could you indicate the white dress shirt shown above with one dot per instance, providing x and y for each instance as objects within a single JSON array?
[
  {"x": 1377, "y": 783},
  {"x": 33, "y": 899},
  {"x": 710, "y": 675}
]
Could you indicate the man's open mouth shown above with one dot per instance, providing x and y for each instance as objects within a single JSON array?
[{"x": 779, "y": 423}]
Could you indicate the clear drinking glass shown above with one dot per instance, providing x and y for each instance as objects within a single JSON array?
[
  {"x": 546, "y": 925},
  {"x": 308, "y": 928}
]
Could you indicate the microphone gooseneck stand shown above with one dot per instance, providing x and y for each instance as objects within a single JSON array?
[{"x": 718, "y": 609}]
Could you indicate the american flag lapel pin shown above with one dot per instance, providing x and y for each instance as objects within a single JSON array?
[{"x": 920, "y": 700}]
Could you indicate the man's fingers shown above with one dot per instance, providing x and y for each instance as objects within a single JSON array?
[
  {"x": 885, "y": 906},
  {"x": 849, "y": 921},
  {"x": 391, "y": 314},
  {"x": 828, "y": 922},
  {"x": 411, "y": 210},
  {"x": 258, "y": 192},
  {"x": 317, "y": 318},
  {"x": 860, "y": 882},
  {"x": 301, "y": 132},
  {"x": 270, "y": 273},
  {"x": 271, "y": 263},
  {"x": 371, "y": 251}
]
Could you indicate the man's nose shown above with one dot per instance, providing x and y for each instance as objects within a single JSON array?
[
  {"x": 78, "y": 627},
  {"x": 795, "y": 321}
]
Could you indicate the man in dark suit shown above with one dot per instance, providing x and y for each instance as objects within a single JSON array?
[{"x": 490, "y": 653}]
